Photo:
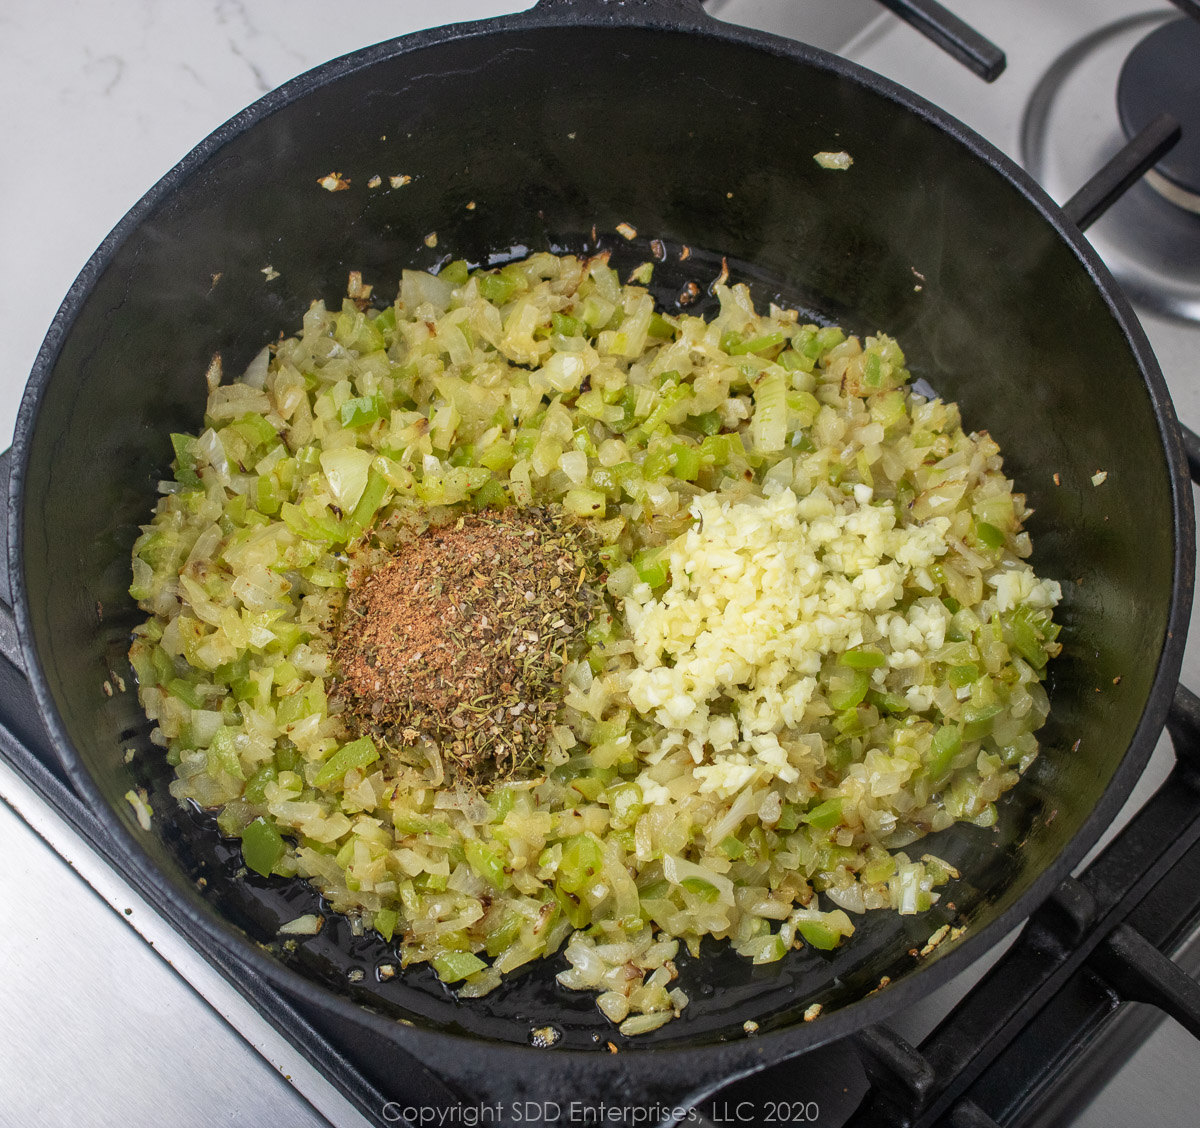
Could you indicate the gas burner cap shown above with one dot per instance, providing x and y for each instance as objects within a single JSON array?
[{"x": 1162, "y": 74}]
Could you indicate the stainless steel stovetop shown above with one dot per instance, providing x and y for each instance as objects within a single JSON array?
[{"x": 135, "y": 1028}]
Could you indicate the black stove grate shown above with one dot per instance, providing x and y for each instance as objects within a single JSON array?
[{"x": 1101, "y": 941}]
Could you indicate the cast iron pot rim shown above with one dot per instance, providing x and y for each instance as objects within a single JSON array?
[{"x": 740, "y": 1056}]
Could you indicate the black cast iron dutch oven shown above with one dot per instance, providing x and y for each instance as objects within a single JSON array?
[{"x": 580, "y": 115}]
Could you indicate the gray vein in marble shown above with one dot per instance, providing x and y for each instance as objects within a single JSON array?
[
  {"x": 99, "y": 63},
  {"x": 200, "y": 79},
  {"x": 237, "y": 9},
  {"x": 260, "y": 79}
]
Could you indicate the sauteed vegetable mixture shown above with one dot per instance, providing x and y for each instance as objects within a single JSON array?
[{"x": 520, "y": 614}]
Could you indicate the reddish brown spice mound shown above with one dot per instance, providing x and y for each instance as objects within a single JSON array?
[{"x": 459, "y": 639}]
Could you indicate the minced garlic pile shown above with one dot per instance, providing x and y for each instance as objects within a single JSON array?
[{"x": 762, "y": 593}]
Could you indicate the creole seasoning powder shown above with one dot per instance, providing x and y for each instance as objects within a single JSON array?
[{"x": 459, "y": 638}]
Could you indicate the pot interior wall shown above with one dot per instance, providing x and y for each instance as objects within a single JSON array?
[{"x": 699, "y": 142}]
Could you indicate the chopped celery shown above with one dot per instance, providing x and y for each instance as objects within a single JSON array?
[
  {"x": 255, "y": 791},
  {"x": 223, "y": 752},
  {"x": 818, "y": 935},
  {"x": 487, "y": 863},
  {"x": 888, "y": 408},
  {"x": 361, "y": 411},
  {"x": 262, "y": 846},
  {"x": 629, "y": 475},
  {"x": 386, "y": 321},
  {"x": 572, "y": 908},
  {"x": 584, "y": 503},
  {"x": 685, "y": 461},
  {"x": 863, "y": 658},
  {"x": 500, "y": 938},
  {"x": 789, "y": 818},
  {"x": 829, "y": 338},
  {"x": 625, "y": 803},
  {"x": 718, "y": 450},
  {"x": 707, "y": 423},
  {"x": 357, "y": 754},
  {"x": 977, "y": 720},
  {"x": 582, "y": 860},
  {"x": 730, "y": 340},
  {"x": 705, "y": 890},
  {"x": 888, "y": 702},
  {"x": 256, "y": 430},
  {"x": 769, "y": 424},
  {"x": 824, "y": 815},
  {"x": 758, "y": 344},
  {"x": 457, "y": 273},
  {"x": 989, "y": 535},
  {"x": 657, "y": 463},
  {"x": 879, "y": 870},
  {"x": 526, "y": 439},
  {"x": 498, "y": 456},
  {"x": 605, "y": 480},
  {"x": 185, "y": 460},
  {"x": 653, "y": 565},
  {"x": 589, "y": 787},
  {"x": 795, "y": 361},
  {"x": 267, "y": 495},
  {"x": 598, "y": 311},
  {"x": 235, "y": 510},
  {"x": 564, "y": 326},
  {"x": 671, "y": 396},
  {"x": 603, "y": 629},
  {"x": 733, "y": 848},
  {"x": 660, "y": 326},
  {"x": 963, "y": 675},
  {"x": 453, "y": 966},
  {"x": 497, "y": 288},
  {"x": 501, "y": 802},
  {"x": 408, "y": 823},
  {"x": 370, "y": 501},
  {"x": 849, "y": 722},
  {"x": 628, "y": 406},
  {"x": 326, "y": 530},
  {"x": 852, "y": 693},
  {"x": 492, "y": 493},
  {"x": 1025, "y": 636},
  {"x": 946, "y": 744},
  {"x": 368, "y": 339},
  {"x": 804, "y": 405},
  {"x": 385, "y": 923},
  {"x": 186, "y": 692}
]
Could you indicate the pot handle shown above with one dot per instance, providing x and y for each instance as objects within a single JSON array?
[
  {"x": 685, "y": 12},
  {"x": 10, "y": 645}
]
